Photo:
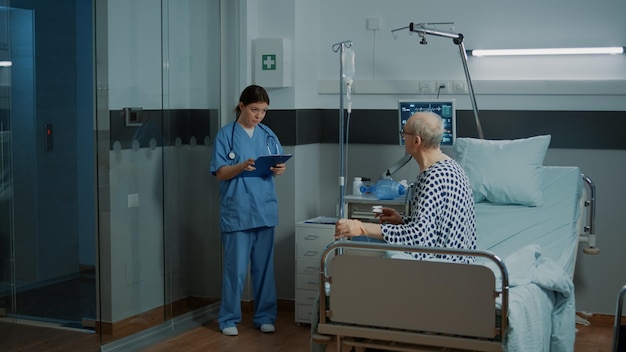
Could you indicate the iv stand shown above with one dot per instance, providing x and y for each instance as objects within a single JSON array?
[
  {"x": 340, "y": 47},
  {"x": 422, "y": 30}
]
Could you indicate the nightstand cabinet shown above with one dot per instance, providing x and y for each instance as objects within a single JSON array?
[{"x": 311, "y": 241}]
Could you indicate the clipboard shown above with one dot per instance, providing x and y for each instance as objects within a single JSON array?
[{"x": 263, "y": 164}]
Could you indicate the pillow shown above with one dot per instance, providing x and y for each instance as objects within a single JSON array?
[{"x": 504, "y": 171}]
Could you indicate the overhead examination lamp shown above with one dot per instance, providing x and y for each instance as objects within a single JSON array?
[{"x": 425, "y": 29}]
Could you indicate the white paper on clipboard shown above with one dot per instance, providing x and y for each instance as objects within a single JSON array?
[{"x": 263, "y": 164}]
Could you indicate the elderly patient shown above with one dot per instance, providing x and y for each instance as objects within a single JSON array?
[{"x": 442, "y": 207}]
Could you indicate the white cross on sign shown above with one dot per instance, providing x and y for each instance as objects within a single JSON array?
[{"x": 269, "y": 62}]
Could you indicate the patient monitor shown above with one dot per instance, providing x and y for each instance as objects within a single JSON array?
[{"x": 442, "y": 107}]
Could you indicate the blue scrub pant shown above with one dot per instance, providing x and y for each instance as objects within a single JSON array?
[{"x": 254, "y": 247}]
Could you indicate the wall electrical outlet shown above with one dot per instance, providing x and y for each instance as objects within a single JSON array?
[
  {"x": 459, "y": 87},
  {"x": 427, "y": 87},
  {"x": 442, "y": 87},
  {"x": 133, "y": 200}
]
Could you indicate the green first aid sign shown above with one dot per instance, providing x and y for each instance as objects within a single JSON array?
[
  {"x": 271, "y": 62},
  {"x": 268, "y": 62}
]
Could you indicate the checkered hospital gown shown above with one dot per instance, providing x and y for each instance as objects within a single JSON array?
[{"x": 442, "y": 213}]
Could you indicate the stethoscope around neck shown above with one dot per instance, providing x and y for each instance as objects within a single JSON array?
[{"x": 269, "y": 141}]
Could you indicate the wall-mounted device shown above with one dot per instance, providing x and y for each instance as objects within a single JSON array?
[
  {"x": 133, "y": 116},
  {"x": 48, "y": 137},
  {"x": 272, "y": 62},
  {"x": 442, "y": 107}
]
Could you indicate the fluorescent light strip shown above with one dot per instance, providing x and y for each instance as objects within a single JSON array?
[
  {"x": 6, "y": 63},
  {"x": 555, "y": 51}
]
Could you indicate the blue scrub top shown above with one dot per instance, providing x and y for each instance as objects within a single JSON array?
[{"x": 245, "y": 202}]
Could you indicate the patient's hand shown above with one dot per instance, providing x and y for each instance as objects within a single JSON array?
[
  {"x": 348, "y": 228},
  {"x": 389, "y": 216}
]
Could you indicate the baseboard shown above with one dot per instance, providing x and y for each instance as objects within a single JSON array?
[
  {"x": 163, "y": 331},
  {"x": 155, "y": 316},
  {"x": 88, "y": 323},
  {"x": 602, "y": 320},
  {"x": 151, "y": 318},
  {"x": 83, "y": 268},
  {"x": 284, "y": 305}
]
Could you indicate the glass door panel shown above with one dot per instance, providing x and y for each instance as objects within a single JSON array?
[
  {"x": 6, "y": 176},
  {"x": 157, "y": 82},
  {"x": 191, "y": 100},
  {"x": 130, "y": 180},
  {"x": 47, "y": 192}
]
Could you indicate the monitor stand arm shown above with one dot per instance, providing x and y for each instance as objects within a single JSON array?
[
  {"x": 423, "y": 29},
  {"x": 396, "y": 166}
]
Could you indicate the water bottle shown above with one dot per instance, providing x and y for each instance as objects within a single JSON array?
[
  {"x": 389, "y": 189},
  {"x": 356, "y": 186}
]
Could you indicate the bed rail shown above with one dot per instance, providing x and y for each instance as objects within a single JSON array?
[
  {"x": 589, "y": 235},
  {"x": 376, "y": 299},
  {"x": 619, "y": 330}
]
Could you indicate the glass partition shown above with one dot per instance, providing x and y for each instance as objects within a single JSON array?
[
  {"x": 191, "y": 100},
  {"x": 47, "y": 173},
  {"x": 105, "y": 144},
  {"x": 157, "y": 113},
  {"x": 6, "y": 176}
]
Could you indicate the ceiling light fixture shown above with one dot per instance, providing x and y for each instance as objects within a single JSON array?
[{"x": 547, "y": 51}]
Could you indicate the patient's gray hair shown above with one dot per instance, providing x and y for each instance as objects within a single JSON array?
[{"x": 429, "y": 126}]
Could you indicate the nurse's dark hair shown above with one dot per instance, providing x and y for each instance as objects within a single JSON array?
[{"x": 252, "y": 94}]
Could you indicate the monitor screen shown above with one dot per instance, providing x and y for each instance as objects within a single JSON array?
[{"x": 442, "y": 107}]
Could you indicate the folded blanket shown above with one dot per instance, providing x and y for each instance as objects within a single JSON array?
[{"x": 537, "y": 284}]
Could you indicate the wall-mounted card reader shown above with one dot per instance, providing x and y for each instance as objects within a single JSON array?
[
  {"x": 133, "y": 116},
  {"x": 48, "y": 139}
]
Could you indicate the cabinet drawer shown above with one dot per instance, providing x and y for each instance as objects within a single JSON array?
[
  {"x": 308, "y": 282},
  {"x": 305, "y": 296},
  {"x": 310, "y": 250},
  {"x": 317, "y": 234},
  {"x": 303, "y": 313},
  {"x": 307, "y": 267}
]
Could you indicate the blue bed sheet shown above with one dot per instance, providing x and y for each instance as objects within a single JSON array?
[
  {"x": 504, "y": 229},
  {"x": 539, "y": 246}
]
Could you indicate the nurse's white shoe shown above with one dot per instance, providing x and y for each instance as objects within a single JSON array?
[
  {"x": 267, "y": 328},
  {"x": 231, "y": 331}
]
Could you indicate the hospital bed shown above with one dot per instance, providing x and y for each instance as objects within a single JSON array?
[{"x": 518, "y": 294}]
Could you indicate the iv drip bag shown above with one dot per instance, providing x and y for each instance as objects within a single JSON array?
[{"x": 347, "y": 61}]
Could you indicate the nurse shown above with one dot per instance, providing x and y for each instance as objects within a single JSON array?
[{"x": 248, "y": 211}]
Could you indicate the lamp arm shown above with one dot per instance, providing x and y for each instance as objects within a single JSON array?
[
  {"x": 422, "y": 29},
  {"x": 470, "y": 86}
]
